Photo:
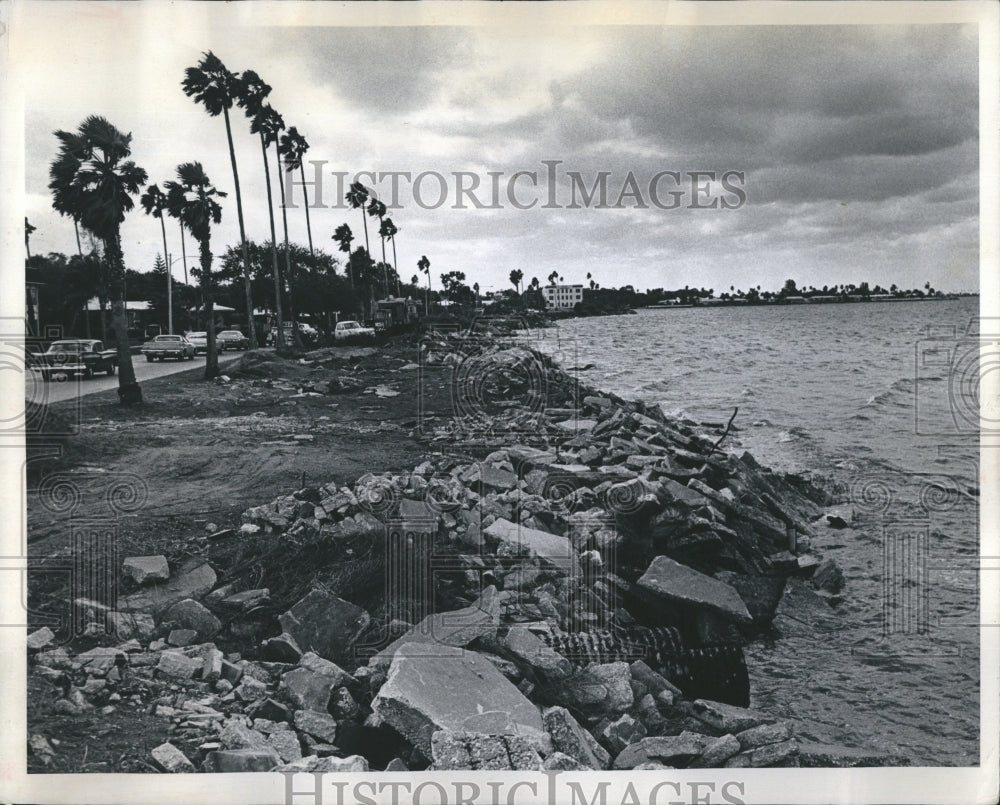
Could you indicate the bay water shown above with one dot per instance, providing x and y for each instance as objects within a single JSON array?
[{"x": 879, "y": 402}]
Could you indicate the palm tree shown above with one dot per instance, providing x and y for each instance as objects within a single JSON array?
[
  {"x": 216, "y": 88},
  {"x": 192, "y": 200},
  {"x": 99, "y": 195},
  {"x": 28, "y": 229},
  {"x": 516, "y": 276},
  {"x": 344, "y": 236},
  {"x": 154, "y": 202},
  {"x": 388, "y": 231},
  {"x": 376, "y": 209},
  {"x": 425, "y": 265},
  {"x": 273, "y": 124},
  {"x": 250, "y": 94},
  {"x": 293, "y": 147},
  {"x": 475, "y": 287},
  {"x": 357, "y": 196}
]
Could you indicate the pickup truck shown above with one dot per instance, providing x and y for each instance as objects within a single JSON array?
[
  {"x": 162, "y": 347},
  {"x": 76, "y": 357}
]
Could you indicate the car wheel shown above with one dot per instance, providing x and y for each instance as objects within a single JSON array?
[{"x": 111, "y": 370}]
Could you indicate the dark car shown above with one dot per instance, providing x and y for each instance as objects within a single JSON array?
[
  {"x": 232, "y": 339},
  {"x": 162, "y": 347},
  {"x": 82, "y": 356}
]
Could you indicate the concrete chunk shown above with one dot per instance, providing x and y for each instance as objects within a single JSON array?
[
  {"x": 233, "y": 761},
  {"x": 423, "y": 694},
  {"x": 571, "y": 739},
  {"x": 142, "y": 569},
  {"x": 669, "y": 749},
  {"x": 550, "y": 548},
  {"x": 323, "y": 623},
  {"x": 193, "y": 579},
  {"x": 172, "y": 759},
  {"x": 676, "y": 582}
]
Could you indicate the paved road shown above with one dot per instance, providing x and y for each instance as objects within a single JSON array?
[{"x": 54, "y": 391}]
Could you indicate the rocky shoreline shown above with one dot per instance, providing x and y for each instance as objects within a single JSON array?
[{"x": 565, "y": 582}]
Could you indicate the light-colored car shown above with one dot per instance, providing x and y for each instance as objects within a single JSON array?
[
  {"x": 199, "y": 340},
  {"x": 231, "y": 339},
  {"x": 352, "y": 329},
  {"x": 162, "y": 347}
]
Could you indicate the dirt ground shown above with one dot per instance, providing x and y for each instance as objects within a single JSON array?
[{"x": 191, "y": 459}]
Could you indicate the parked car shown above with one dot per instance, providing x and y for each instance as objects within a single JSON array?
[
  {"x": 199, "y": 340},
  {"x": 76, "y": 357},
  {"x": 352, "y": 329},
  {"x": 231, "y": 339},
  {"x": 308, "y": 333},
  {"x": 168, "y": 346}
]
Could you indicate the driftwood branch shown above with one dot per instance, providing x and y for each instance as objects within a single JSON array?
[{"x": 725, "y": 433}]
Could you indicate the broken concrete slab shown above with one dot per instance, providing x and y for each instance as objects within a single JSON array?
[
  {"x": 193, "y": 579},
  {"x": 599, "y": 689},
  {"x": 717, "y": 752},
  {"x": 318, "y": 725},
  {"x": 423, "y": 694},
  {"x": 190, "y": 614},
  {"x": 572, "y": 739},
  {"x": 672, "y": 750},
  {"x": 41, "y": 639},
  {"x": 238, "y": 761},
  {"x": 447, "y": 632},
  {"x": 550, "y": 548},
  {"x": 676, "y": 582},
  {"x": 177, "y": 664},
  {"x": 478, "y": 752},
  {"x": 325, "y": 624},
  {"x": 310, "y": 684},
  {"x": 143, "y": 569},
  {"x": 171, "y": 759},
  {"x": 727, "y": 717},
  {"x": 803, "y": 612},
  {"x": 528, "y": 650}
]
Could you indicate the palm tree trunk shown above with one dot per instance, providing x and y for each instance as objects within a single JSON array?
[
  {"x": 208, "y": 305},
  {"x": 385, "y": 267},
  {"x": 305, "y": 195},
  {"x": 184, "y": 256},
  {"x": 279, "y": 339},
  {"x": 394, "y": 264},
  {"x": 129, "y": 392},
  {"x": 243, "y": 233},
  {"x": 76, "y": 229},
  {"x": 296, "y": 338},
  {"x": 170, "y": 288}
]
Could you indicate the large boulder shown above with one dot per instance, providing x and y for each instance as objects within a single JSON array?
[
  {"x": 325, "y": 624},
  {"x": 146, "y": 568},
  {"x": 598, "y": 690},
  {"x": 673, "y": 581},
  {"x": 189, "y": 614},
  {"x": 426, "y": 691}
]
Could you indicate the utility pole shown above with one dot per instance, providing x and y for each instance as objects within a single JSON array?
[{"x": 170, "y": 298}]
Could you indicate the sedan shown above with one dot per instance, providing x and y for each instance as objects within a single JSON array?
[
  {"x": 232, "y": 339},
  {"x": 199, "y": 340},
  {"x": 351, "y": 329}
]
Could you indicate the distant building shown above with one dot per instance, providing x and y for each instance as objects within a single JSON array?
[{"x": 562, "y": 297}]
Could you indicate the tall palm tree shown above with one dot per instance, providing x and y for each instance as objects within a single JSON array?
[
  {"x": 388, "y": 231},
  {"x": 250, "y": 95},
  {"x": 274, "y": 124},
  {"x": 344, "y": 236},
  {"x": 376, "y": 209},
  {"x": 101, "y": 193},
  {"x": 28, "y": 229},
  {"x": 293, "y": 148},
  {"x": 154, "y": 202},
  {"x": 357, "y": 197},
  {"x": 425, "y": 265},
  {"x": 215, "y": 87},
  {"x": 192, "y": 200}
]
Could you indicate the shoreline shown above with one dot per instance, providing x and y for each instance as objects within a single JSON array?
[{"x": 599, "y": 473}]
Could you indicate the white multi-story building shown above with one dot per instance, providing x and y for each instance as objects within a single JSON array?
[{"x": 562, "y": 297}]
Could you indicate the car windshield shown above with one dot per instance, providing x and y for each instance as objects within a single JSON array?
[
  {"x": 350, "y": 325},
  {"x": 68, "y": 346},
  {"x": 168, "y": 338}
]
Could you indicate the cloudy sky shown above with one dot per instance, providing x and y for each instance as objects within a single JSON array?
[{"x": 857, "y": 145}]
